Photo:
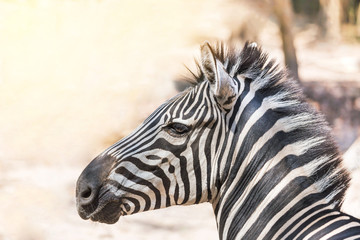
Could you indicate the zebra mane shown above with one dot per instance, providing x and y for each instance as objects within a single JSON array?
[
  {"x": 269, "y": 78},
  {"x": 250, "y": 61}
]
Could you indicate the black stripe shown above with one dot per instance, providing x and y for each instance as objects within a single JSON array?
[
  {"x": 353, "y": 231},
  {"x": 307, "y": 201},
  {"x": 154, "y": 169},
  {"x": 138, "y": 180},
  {"x": 307, "y": 213},
  {"x": 133, "y": 192},
  {"x": 334, "y": 226},
  {"x": 134, "y": 201},
  {"x": 308, "y": 222}
]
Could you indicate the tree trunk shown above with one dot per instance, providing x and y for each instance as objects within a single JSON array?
[
  {"x": 284, "y": 14},
  {"x": 358, "y": 21},
  {"x": 331, "y": 19}
]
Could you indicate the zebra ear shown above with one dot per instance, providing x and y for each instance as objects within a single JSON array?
[{"x": 222, "y": 84}]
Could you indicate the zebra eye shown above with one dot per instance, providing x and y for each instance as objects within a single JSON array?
[{"x": 177, "y": 129}]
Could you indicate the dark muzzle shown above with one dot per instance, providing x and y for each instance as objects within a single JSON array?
[{"x": 89, "y": 184}]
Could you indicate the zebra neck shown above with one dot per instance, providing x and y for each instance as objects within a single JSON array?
[
  {"x": 267, "y": 166},
  {"x": 315, "y": 220},
  {"x": 249, "y": 203}
]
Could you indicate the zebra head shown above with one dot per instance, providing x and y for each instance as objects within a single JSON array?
[
  {"x": 242, "y": 138},
  {"x": 168, "y": 160}
]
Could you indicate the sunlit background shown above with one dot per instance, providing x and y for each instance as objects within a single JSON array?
[{"x": 76, "y": 76}]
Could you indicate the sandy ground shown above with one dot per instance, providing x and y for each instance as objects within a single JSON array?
[{"x": 75, "y": 76}]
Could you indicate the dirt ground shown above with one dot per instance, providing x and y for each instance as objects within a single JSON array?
[{"x": 75, "y": 76}]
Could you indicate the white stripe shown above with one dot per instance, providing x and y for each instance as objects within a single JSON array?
[
  {"x": 297, "y": 216},
  {"x": 250, "y": 95},
  {"x": 353, "y": 237},
  {"x": 112, "y": 149},
  {"x": 267, "y": 200},
  {"x": 119, "y": 192},
  {"x": 306, "y": 170},
  {"x": 274, "y": 219},
  {"x": 340, "y": 229},
  {"x": 325, "y": 225},
  {"x": 246, "y": 100},
  {"x": 300, "y": 223},
  {"x": 197, "y": 96},
  {"x": 296, "y": 149},
  {"x": 129, "y": 183}
]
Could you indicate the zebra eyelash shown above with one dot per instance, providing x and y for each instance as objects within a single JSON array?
[{"x": 177, "y": 129}]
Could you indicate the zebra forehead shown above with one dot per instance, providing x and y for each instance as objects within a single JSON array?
[{"x": 189, "y": 93}]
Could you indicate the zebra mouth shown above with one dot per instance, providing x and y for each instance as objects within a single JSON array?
[
  {"x": 104, "y": 208},
  {"x": 108, "y": 213}
]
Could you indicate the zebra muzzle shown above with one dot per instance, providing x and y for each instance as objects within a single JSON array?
[{"x": 89, "y": 184}]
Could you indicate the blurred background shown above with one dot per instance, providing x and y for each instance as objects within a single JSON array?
[{"x": 76, "y": 76}]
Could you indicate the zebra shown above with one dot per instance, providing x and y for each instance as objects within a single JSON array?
[{"x": 242, "y": 137}]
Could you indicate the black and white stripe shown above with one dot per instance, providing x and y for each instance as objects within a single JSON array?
[{"x": 241, "y": 137}]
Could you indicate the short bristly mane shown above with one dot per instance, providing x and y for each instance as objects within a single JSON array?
[{"x": 270, "y": 79}]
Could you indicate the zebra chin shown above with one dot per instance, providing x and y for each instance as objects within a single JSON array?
[{"x": 109, "y": 214}]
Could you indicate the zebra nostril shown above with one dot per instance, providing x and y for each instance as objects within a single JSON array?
[
  {"x": 86, "y": 193},
  {"x": 87, "y": 200}
]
